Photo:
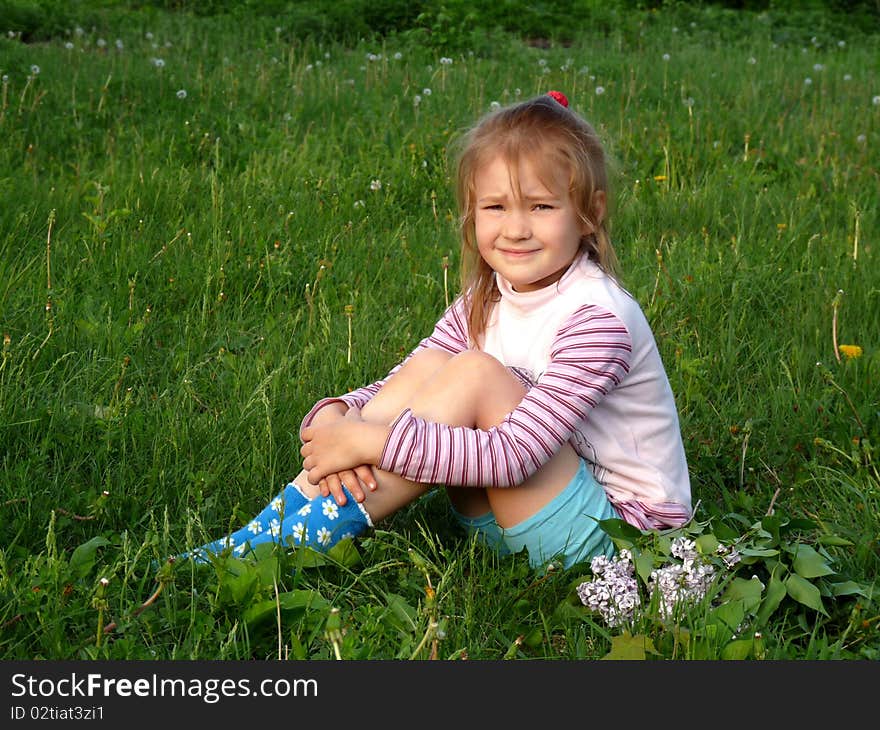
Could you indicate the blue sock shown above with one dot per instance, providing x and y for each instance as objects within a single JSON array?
[
  {"x": 318, "y": 524},
  {"x": 286, "y": 502}
]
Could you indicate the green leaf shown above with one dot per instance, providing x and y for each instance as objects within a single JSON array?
[
  {"x": 773, "y": 523},
  {"x": 403, "y": 616},
  {"x": 834, "y": 541},
  {"x": 801, "y": 523},
  {"x": 644, "y": 564},
  {"x": 724, "y": 620},
  {"x": 296, "y": 601},
  {"x": 746, "y": 591},
  {"x": 759, "y": 552},
  {"x": 707, "y": 544},
  {"x": 726, "y": 533},
  {"x": 775, "y": 593},
  {"x": 737, "y": 649},
  {"x": 618, "y": 529},
  {"x": 804, "y": 592},
  {"x": 627, "y": 646},
  {"x": 82, "y": 560},
  {"x": 345, "y": 553},
  {"x": 533, "y": 637},
  {"x": 305, "y": 557},
  {"x": 808, "y": 563},
  {"x": 849, "y": 588},
  {"x": 239, "y": 581}
]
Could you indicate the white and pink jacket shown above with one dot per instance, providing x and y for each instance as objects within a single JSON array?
[{"x": 596, "y": 380}]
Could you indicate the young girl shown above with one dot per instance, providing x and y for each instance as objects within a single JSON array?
[{"x": 539, "y": 401}]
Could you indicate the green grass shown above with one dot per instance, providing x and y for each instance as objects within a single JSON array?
[{"x": 197, "y": 255}]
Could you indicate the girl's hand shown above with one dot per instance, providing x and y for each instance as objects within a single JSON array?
[
  {"x": 339, "y": 447},
  {"x": 353, "y": 479}
]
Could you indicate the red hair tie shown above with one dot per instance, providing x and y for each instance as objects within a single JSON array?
[{"x": 558, "y": 96}]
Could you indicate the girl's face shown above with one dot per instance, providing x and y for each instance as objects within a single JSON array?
[{"x": 528, "y": 235}]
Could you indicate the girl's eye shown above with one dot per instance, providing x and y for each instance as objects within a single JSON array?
[
  {"x": 543, "y": 206},
  {"x": 496, "y": 206}
]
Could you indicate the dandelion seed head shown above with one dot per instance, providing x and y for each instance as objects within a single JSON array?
[
  {"x": 35, "y": 70},
  {"x": 876, "y": 100},
  {"x": 666, "y": 56},
  {"x": 753, "y": 60},
  {"x": 426, "y": 92},
  {"x": 600, "y": 90},
  {"x": 375, "y": 185},
  {"x": 181, "y": 93},
  {"x": 494, "y": 105}
]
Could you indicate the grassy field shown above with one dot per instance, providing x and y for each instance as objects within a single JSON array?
[{"x": 206, "y": 225}]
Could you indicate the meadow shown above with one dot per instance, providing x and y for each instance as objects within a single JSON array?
[{"x": 208, "y": 224}]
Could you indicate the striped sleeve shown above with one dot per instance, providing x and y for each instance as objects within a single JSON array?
[
  {"x": 450, "y": 335},
  {"x": 652, "y": 516},
  {"x": 589, "y": 357}
]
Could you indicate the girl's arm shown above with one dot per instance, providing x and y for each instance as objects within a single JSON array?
[{"x": 589, "y": 357}]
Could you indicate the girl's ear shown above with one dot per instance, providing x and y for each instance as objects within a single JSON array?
[
  {"x": 597, "y": 213},
  {"x": 599, "y": 206}
]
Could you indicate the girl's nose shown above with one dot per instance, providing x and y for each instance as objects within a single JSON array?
[{"x": 516, "y": 226}]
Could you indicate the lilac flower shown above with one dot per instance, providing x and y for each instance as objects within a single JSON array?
[{"x": 613, "y": 592}]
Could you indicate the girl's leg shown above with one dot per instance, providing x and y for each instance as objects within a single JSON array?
[
  {"x": 475, "y": 390},
  {"x": 282, "y": 517},
  {"x": 470, "y": 389}
]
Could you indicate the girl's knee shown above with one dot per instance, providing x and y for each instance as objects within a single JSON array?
[
  {"x": 479, "y": 364},
  {"x": 497, "y": 390},
  {"x": 428, "y": 360}
]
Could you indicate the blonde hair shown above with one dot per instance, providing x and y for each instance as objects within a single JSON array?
[{"x": 553, "y": 138}]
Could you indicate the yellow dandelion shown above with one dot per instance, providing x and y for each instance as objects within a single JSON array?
[
  {"x": 659, "y": 178},
  {"x": 850, "y": 352},
  {"x": 781, "y": 226}
]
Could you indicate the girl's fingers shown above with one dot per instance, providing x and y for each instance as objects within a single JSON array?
[
  {"x": 353, "y": 484},
  {"x": 365, "y": 474},
  {"x": 335, "y": 485}
]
